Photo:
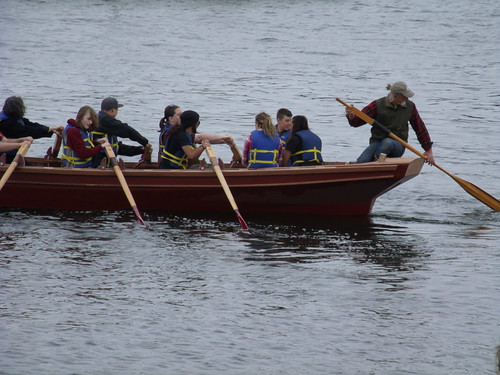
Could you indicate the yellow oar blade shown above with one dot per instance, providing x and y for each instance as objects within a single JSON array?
[
  {"x": 478, "y": 193},
  {"x": 472, "y": 189}
]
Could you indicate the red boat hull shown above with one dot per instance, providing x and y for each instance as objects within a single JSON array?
[{"x": 333, "y": 189}]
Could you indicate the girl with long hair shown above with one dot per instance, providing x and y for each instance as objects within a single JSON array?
[
  {"x": 78, "y": 147},
  {"x": 262, "y": 148}
]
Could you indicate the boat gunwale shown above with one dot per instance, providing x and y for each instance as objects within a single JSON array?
[{"x": 389, "y": 165}]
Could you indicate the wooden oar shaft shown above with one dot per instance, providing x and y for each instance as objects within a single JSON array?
[
  {"x": 225, "y": 186},
  {"x": 57, "y": 146},
  {"x": 123, "y": 182},
  {"x": 124, "y": 185},
  {"x": 363, "y": 116},
  {"x": 20, "y": 152},
  {"x": 236, "y": 153},
  {"x": 470, "y": 188}
]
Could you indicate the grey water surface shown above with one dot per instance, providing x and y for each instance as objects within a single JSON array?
[{"x": 412, "y": 289}]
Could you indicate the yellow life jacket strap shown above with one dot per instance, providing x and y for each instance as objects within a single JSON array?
[
  {"x": 314, "y": 151},
  {"x": 254, "y": 152}
]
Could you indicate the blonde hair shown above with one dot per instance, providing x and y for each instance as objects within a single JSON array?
[{"x": 264, "y": 121}]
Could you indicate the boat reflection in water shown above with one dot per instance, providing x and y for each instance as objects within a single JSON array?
[{"x": 357, "y": 237}]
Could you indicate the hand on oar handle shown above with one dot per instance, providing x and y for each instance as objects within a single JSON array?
[
  {"x": 57, "y": 130},
  {"x": 27, "y": 140},
  {"x": 349, "y": 113},
  {"x": 104, "y": 142},
  {"x": 430, "y": 157}
]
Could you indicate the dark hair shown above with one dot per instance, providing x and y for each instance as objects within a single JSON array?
[
  {"x": 299, "y": 123},
  {"x": 169, "y": 112},
  {"x": 81, "y": 114},
  {"x": 282, "y": 112},
  {"x": 14, "y": 107},
  {"x": 191, "y": 120},
  {"x": 171, "y": 131}
]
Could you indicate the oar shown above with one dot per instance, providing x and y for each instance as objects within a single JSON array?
[
  {"x": 222, "y": 180},
  {"x": 121, "y": 178},
  {"x": 236, "y": 161},
  {"x": 236, "y": 153},
  {"x": 470, "y": 188},
  {"x": 20, "y": 152},
  {"x": 57, "y": 147},
  {"x": 52, "y": 152}
]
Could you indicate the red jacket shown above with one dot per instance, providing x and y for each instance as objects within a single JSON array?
[{"x": 74, "y": 141}]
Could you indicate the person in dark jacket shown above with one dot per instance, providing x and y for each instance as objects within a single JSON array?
[
  {"x": 112, "y": 128},
  {"x": 303, "y": 146},
  {"x": 13, "y": 124}
]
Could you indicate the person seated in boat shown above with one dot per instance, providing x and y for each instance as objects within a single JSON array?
[
  {"x": 112, "y": 128},
  {"x": 172, "y": 117},
  {"x": 283, "y": 124},
  {"x": 7, "y": 144},
  {"x": 262, "y": 148},
  {"x": 78, "y": 147},
  {"x": 303, "y": 146},
  {"x": 13, "y": 124},
  {"x": 179, "y": 151},
  {"x": 393, "y": 111}
]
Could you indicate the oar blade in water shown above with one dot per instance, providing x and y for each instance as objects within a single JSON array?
[{"x": 479, "y": 194}]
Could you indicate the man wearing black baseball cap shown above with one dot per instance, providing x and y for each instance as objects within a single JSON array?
[
  {"x": 112, "y": 128},
  {"x": 110, "y": 103}
]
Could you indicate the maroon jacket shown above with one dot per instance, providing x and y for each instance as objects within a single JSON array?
[{"x": 74, "y": 140}]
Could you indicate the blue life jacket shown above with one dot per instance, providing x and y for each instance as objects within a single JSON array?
[
  {"x": 179, "y": 159},
  {"x": 284, "y": 136},
  {"x": 69, "y": 159},
  {"x": 165, "y": 129},
  {"x": 264, "y": 152},
  {"x": 311, "y": 149}
]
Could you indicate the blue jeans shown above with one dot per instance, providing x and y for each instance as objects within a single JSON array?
[{"x": 388, "y": 146}]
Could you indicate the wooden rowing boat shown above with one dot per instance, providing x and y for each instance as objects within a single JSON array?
[{"x": 330, "y": 190}]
